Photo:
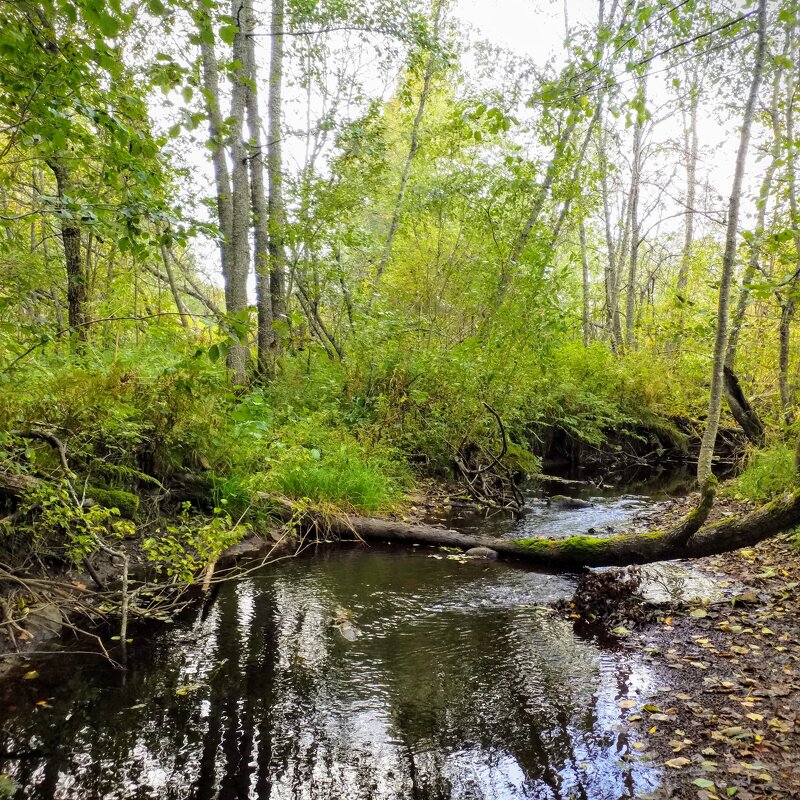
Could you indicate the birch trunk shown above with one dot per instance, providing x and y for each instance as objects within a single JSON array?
[
  {"x": 222, "y": 180},
  {"x": 234, "y": 257},
  {"x": 173, "y": 287},
  {"x": 585, "y": 265},
  {"x": 276, "y": 212},
  {"x": 258, "y": 200},
  {"x": 691, "y": 146},
  {"x": 721, "y": 337},
  {"x": 744, "y": 414},
  {"x": 633, "y": 210},
  {"x": 610, "y": 272}
]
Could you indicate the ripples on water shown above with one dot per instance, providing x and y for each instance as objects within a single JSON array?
[{"x": 460, "y": 685}]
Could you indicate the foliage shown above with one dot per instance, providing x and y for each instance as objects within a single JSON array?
[
  {"x": 188, "y": 544},
  {"x": 61, "y": 528},
  {"x": 459, "y": 246},
  {"x": 768, "y": 473}
]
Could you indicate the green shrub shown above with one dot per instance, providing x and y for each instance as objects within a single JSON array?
[{"x": 769, "y": 472}]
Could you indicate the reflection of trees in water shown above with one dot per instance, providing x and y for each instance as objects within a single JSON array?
[{"x": 438, "y": 699}]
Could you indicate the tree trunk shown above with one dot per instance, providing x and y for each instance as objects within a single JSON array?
[
  {"x": 71, "y": 239},
  {"x": 236, "y": 286},
  {"x": 785, "y": 331},
  {"x": 755, "y": 255},
  {"x": 691, "y": 147},
  {"x": 576, "y": 175},
  {"x": 258, "y": 200},
  {"x": 788, "y": 306},
  {"x": 173, "y": 287},
  {"x": 233, "y": 258},
  {"x": 690, "y": 539},
  {"x": 276, "y": 213},
  {"x": 741, "y": 410},
  {"x": 721, "y": 338},
  {"x": 585, "y": 265},
  {"x": 539, "y": 199},
  {"x": 633, "y": 210},
  {"x": 222, "y": 178},
  {"x": 613, "y": 321}
]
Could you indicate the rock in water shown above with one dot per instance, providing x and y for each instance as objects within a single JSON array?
[
  {"x": 568, "y": 502},
  {"x": 348, "y": 630},
  {"x": 482, "y": 552}
]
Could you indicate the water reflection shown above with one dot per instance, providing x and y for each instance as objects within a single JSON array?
[{"x": 459, "y": 686}]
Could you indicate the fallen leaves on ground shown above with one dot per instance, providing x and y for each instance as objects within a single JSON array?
[{"x": 726, "y": 722}]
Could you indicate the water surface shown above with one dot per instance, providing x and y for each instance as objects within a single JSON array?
[{"x": 459, "y": 684}]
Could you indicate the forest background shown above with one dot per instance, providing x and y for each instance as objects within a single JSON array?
[{"x": 327, "y": 249}]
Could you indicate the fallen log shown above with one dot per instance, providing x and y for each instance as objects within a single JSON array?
[
  {"x": 16, "y": 486},
  {"x": 692, "y": 537},
  {"x": 689, "y": 538}
]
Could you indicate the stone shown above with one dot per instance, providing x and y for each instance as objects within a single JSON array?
[
  {"x": 482, "y": 552},
  {"x": 568, "y": 502}
]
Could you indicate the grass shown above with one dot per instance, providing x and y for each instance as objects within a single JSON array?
[{"x": 769, "y": 472}]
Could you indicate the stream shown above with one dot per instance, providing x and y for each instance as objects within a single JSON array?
[{"x": 380, "y": 672}]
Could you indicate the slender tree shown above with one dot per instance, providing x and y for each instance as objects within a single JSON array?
[
  {"x": 413, "y": 146},
  {"x": 276, "y": 210},
  {"x": 258, "y": 200},
  {"x": 728, "y": 260}
]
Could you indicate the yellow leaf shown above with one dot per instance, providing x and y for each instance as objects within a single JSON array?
[{"x": 678, "y": 763}]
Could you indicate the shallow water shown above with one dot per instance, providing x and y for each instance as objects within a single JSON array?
[
  {"x": 611, "y": 507},
  {"x": 458, "y": 685},
  {"x": 380, "y": 673}
]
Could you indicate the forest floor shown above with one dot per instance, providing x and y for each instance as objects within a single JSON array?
[{"x": 724, "y": 719}]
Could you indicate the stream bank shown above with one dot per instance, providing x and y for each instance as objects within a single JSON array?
[{"x": 724, "y": 718}]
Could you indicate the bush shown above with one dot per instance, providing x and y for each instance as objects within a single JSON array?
[{"x": 769, "y": 473}]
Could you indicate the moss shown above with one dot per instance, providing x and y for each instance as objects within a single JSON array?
[
  {"x": 127, "y": 503},
  {"x": 666, "y": 432},
  {"x": 575, "y": 547},
  {"x": 587, "y": 550}
]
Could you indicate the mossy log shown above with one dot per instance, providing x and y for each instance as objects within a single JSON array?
[
  {"x": 15, "y": 486},
  {"x": 690, "y": 538}
]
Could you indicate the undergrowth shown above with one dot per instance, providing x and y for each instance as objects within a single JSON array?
[
  {"x": 349, "y": 435},
  {"x": 768, "y": 473}
]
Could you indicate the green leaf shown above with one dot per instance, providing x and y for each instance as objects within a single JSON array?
[
  {"x": 156, "y": 7},
  {"x": 109, "y": 26},
  {"x": 228, "y": 33},
  {"x": 703, "y": 783}
]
